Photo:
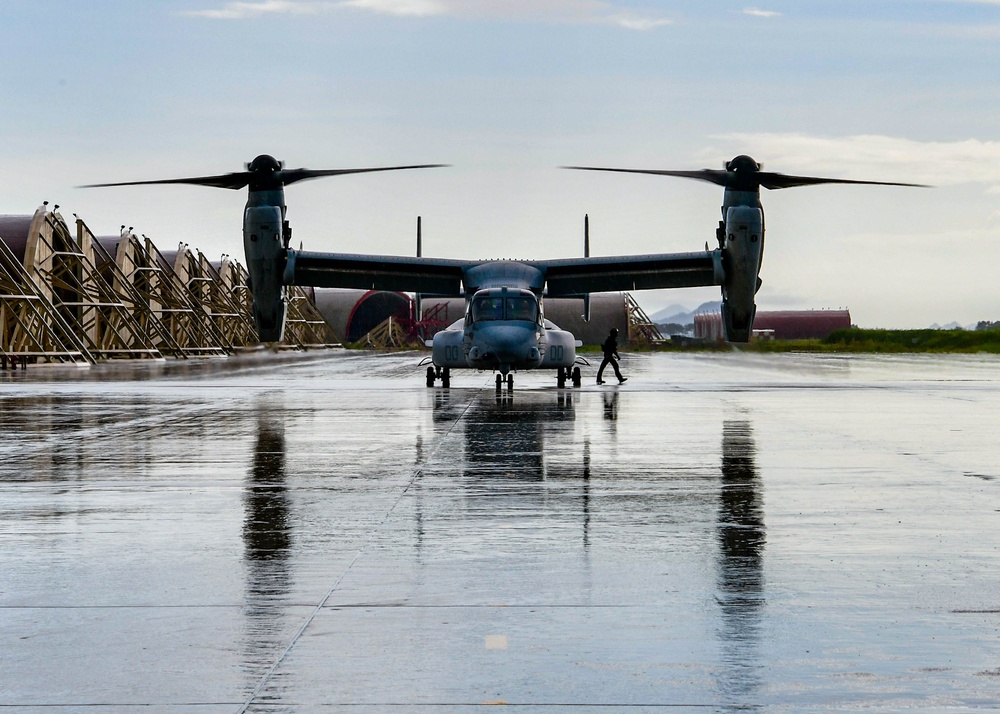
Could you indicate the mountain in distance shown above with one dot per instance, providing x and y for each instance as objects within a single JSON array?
[
  {"x": 668, "y": 311},
  {"x": 952, "y": 326},
  {"x": 680, "y": 315}
]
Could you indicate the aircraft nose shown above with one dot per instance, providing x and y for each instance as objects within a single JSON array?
[{"x": 508, "y": 343}]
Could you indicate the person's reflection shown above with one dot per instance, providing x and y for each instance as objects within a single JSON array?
[
  {"x": 742, "y": 539},
  {"x": 266, "y": 525},
  {"x": 611, "y": 405}
]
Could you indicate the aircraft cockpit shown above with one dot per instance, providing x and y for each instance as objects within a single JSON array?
[{"x": 508, "y": 304}]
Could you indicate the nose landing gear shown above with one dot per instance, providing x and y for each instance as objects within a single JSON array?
[{"x": 509, "y": 380}]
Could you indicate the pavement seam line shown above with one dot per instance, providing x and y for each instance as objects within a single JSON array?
[{"x": 265, "y": 678}]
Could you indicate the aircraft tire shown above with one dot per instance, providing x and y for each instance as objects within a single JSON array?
[
  {"x": 499, "y": 382},
  {"x": 577, "y": 379},
  {"x": 430, "y": 376},
  {"x": 445, "y": 377},
  {"x": 510, "y": 381}
]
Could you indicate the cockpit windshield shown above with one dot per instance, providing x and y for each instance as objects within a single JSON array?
[
  {"x": 487, "y": 308},
  {"x": 521, "y": 308},
  {"x": 495, "y": 307}
]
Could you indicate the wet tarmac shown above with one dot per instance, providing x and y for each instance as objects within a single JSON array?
[{"x": 724, "y": 532}]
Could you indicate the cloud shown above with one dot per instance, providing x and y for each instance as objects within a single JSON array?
[
  {"x": 760, "y": 13},
  {"x": 869, "y": 157},
  {"x": 406, "y": 8},
  {"x": 243, "y": 10},
  {"x": 603, "y": 12},
  {"x": 640, "y": 23}
]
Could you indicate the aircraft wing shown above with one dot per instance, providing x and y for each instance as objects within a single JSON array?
[
  {"x": 563, "y": 278},
  {"x": 433, "y": 276},
  {"x": 578, "y": 276}
]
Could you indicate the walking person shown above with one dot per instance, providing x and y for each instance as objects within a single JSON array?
[{"x": 611, "y": 356}]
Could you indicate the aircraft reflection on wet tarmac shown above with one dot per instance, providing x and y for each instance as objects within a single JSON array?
[
  {"x": 506, "y": 437},
  {"x": 507, "y": 444},
  {"x": 267, "y": 525},
  {"x": 184, "y": 535},
  {"x": 742, "y": 538}
]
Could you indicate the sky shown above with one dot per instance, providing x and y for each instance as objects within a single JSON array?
[{"x": 506, "y": 92}]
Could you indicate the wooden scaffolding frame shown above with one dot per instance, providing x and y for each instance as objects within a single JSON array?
[
  {"x": 193, "y": 290},
  {"x": 31, "y": 328},
  {"x": 640, "y": 327},
  {"x": 134, "y": 285},
  {"x": 64, "y": 269},
  {"x": 71, "y": 296},
  {"x": 305, "y": 327},
  {"x": 220, "y": 296}
]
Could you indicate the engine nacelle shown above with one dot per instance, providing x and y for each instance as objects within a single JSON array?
[
  {"x": 742, "y": 250},
  {"x": 265, "y": 256}
]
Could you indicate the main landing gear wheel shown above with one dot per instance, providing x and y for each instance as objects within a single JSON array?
[
  {"x": 444, "y": 374},
  {"x": 565, "y": 373}
]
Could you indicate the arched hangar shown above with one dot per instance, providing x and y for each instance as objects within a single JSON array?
[{"x": 352, "y": 314}]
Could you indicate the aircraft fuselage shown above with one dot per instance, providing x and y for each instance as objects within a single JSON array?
[{"x": 504, "y": 330}]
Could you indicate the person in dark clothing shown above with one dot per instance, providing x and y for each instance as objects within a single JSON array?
[{"x": 611, "y": 356}]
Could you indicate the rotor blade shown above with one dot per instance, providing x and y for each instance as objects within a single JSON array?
[
  {"x": 774, "y": 181},
  {"x": 711, "y": 175},
  {"x": 290, "y": 176},
  {"x": 231, "y": 181}
]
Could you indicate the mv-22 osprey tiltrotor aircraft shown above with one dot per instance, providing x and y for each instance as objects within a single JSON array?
[{"x": 504, "y": 328}]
